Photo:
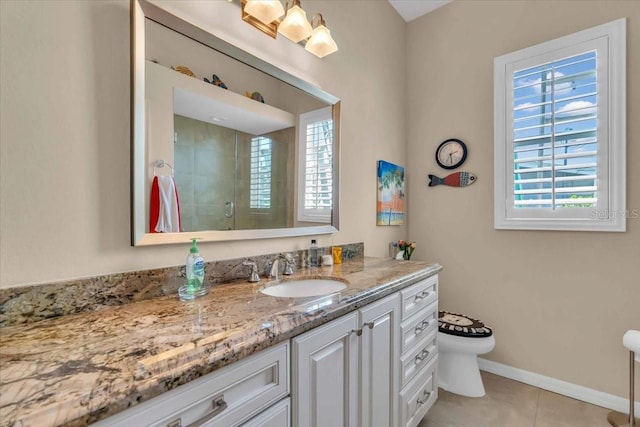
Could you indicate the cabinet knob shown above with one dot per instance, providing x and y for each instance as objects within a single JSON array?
[
  {"x": 358, "y": 332},
  {"x": 369, "y": 324}
]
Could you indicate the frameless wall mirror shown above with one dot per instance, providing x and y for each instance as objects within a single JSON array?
[{"x": 249, "y": 153}]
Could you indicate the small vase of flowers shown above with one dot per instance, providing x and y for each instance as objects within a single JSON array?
[{"x": 406, "y": 248}]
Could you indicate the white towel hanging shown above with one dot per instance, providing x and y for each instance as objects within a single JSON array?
[{"x": 165, "y": 207}]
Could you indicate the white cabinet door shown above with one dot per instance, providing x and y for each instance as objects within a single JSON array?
[
  {"x": 379, "y": 362},
  {"x": 325, "y": 375}
]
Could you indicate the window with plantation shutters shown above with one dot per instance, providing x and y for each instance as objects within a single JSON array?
[
  {"x": 560, "y": 133},
  {"x": 260, "y": 179},
  {"x": 315, "y": 177}
]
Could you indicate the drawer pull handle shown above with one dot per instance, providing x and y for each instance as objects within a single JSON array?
[
  {"x": 422, "y": 295},
  {"x": 425, "y": 396},
  {"x": 358, "y": 332},
  {"x": 175, "y": 423},
  {"x": 421, "y": 356},
  {"x": 421, "y": 327},
  {"x": 219, "y": 405}
]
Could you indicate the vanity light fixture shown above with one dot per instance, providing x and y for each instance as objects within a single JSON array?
[
  {"x": 265, "y": 15},
  {"x": 265, "y": 11},
  {"x": 321, "y": 43},
  {"x": 295, "y": 26}
]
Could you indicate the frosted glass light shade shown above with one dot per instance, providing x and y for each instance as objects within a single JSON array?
[
  {"x": 265, "y": 11},
  {"x": 321, "y": 43},
  {"x": 295, "y": 26}
]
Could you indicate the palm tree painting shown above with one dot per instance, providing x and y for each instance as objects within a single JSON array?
[{"x": 390, "y": 207}]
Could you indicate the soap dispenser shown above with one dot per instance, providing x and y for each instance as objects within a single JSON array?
[{"x": 195, "y": 286}]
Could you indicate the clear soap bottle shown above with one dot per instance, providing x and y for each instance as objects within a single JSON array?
[{"x": 313, "y": 254}]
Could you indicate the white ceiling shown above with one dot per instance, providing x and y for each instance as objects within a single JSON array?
[{"x": 412, "y": 9}]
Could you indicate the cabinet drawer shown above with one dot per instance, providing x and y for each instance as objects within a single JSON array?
[
  {"x": 224, "y": 398},
  {"x": 418, "y": 296},
  {"x": 418, "y": 357},
  {"x": 419, "y": 395},
  {"x": 279, "y": 415},
  {"x": 415, "y": 328}
]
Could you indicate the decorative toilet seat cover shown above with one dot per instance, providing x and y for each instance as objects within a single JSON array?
[{"x": 462, "y": 325}]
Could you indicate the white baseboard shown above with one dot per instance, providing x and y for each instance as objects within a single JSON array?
[{"x": 589, "y": 395}]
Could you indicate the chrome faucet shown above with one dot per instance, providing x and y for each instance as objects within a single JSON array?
[
  {"x": 289, "y": 263},
  {"x": 275, "y": 266},
  {"x": 253, "y": 276}
]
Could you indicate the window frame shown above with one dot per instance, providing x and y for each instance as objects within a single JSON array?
[
  {"x": 305, "y": 214},
  {"x": 610, "y": 211}
]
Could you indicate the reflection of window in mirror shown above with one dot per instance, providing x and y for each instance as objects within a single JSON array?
[
  {"x": 315, "y": 180},
  {"x": 260, "y": 179}
]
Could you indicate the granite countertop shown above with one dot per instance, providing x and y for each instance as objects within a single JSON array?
[{"x": 77, "y": 369}]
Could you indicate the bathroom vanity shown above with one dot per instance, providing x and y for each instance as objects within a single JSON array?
[
  {"x": 363, "y": 356},
  {"x": 373, "y": 367}
]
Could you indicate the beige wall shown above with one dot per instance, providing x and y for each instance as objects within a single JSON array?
[
  {"x": 64, "y": 142},
  {"x": 559, "y": 301}
]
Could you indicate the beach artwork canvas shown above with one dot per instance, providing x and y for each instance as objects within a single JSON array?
[{"x": 390, "y": 206}]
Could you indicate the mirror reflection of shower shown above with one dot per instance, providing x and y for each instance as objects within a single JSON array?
[
  {"x": 160, "y": 92},
  {"x": 231, "y": 180}
]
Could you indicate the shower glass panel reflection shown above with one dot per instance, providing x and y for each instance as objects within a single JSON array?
[{"x": 231, "y": 180}]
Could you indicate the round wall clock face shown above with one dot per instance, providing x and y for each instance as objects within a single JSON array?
[{"x": 451, "y": 154}]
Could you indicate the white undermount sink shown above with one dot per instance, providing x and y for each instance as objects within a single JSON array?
[{"x": 304, "y": 288}]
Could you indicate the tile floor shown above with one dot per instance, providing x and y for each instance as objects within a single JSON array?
[{"x": 510, "y": 403}]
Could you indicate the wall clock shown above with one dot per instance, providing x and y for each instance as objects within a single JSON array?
[{"x": 451, "y": 154}]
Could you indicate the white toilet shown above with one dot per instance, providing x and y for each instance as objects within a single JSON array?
[{"x": 460, "y": 340}]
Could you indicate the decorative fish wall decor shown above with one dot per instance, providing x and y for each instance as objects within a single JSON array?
[
  {"x": 256, "y": 96},
  {"x": 184, "y": 70},
  {"x": 457, "y": 179},
  {"x": 215, "y": 80}
]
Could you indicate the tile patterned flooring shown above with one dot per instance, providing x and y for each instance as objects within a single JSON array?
[{"x": 510, "y": 403}]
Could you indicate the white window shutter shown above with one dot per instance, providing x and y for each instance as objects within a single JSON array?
[
  {"x": 260, "y": 179},
  {"x": 315, "y": 175},
  {"x": 560, "y": 133}
]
